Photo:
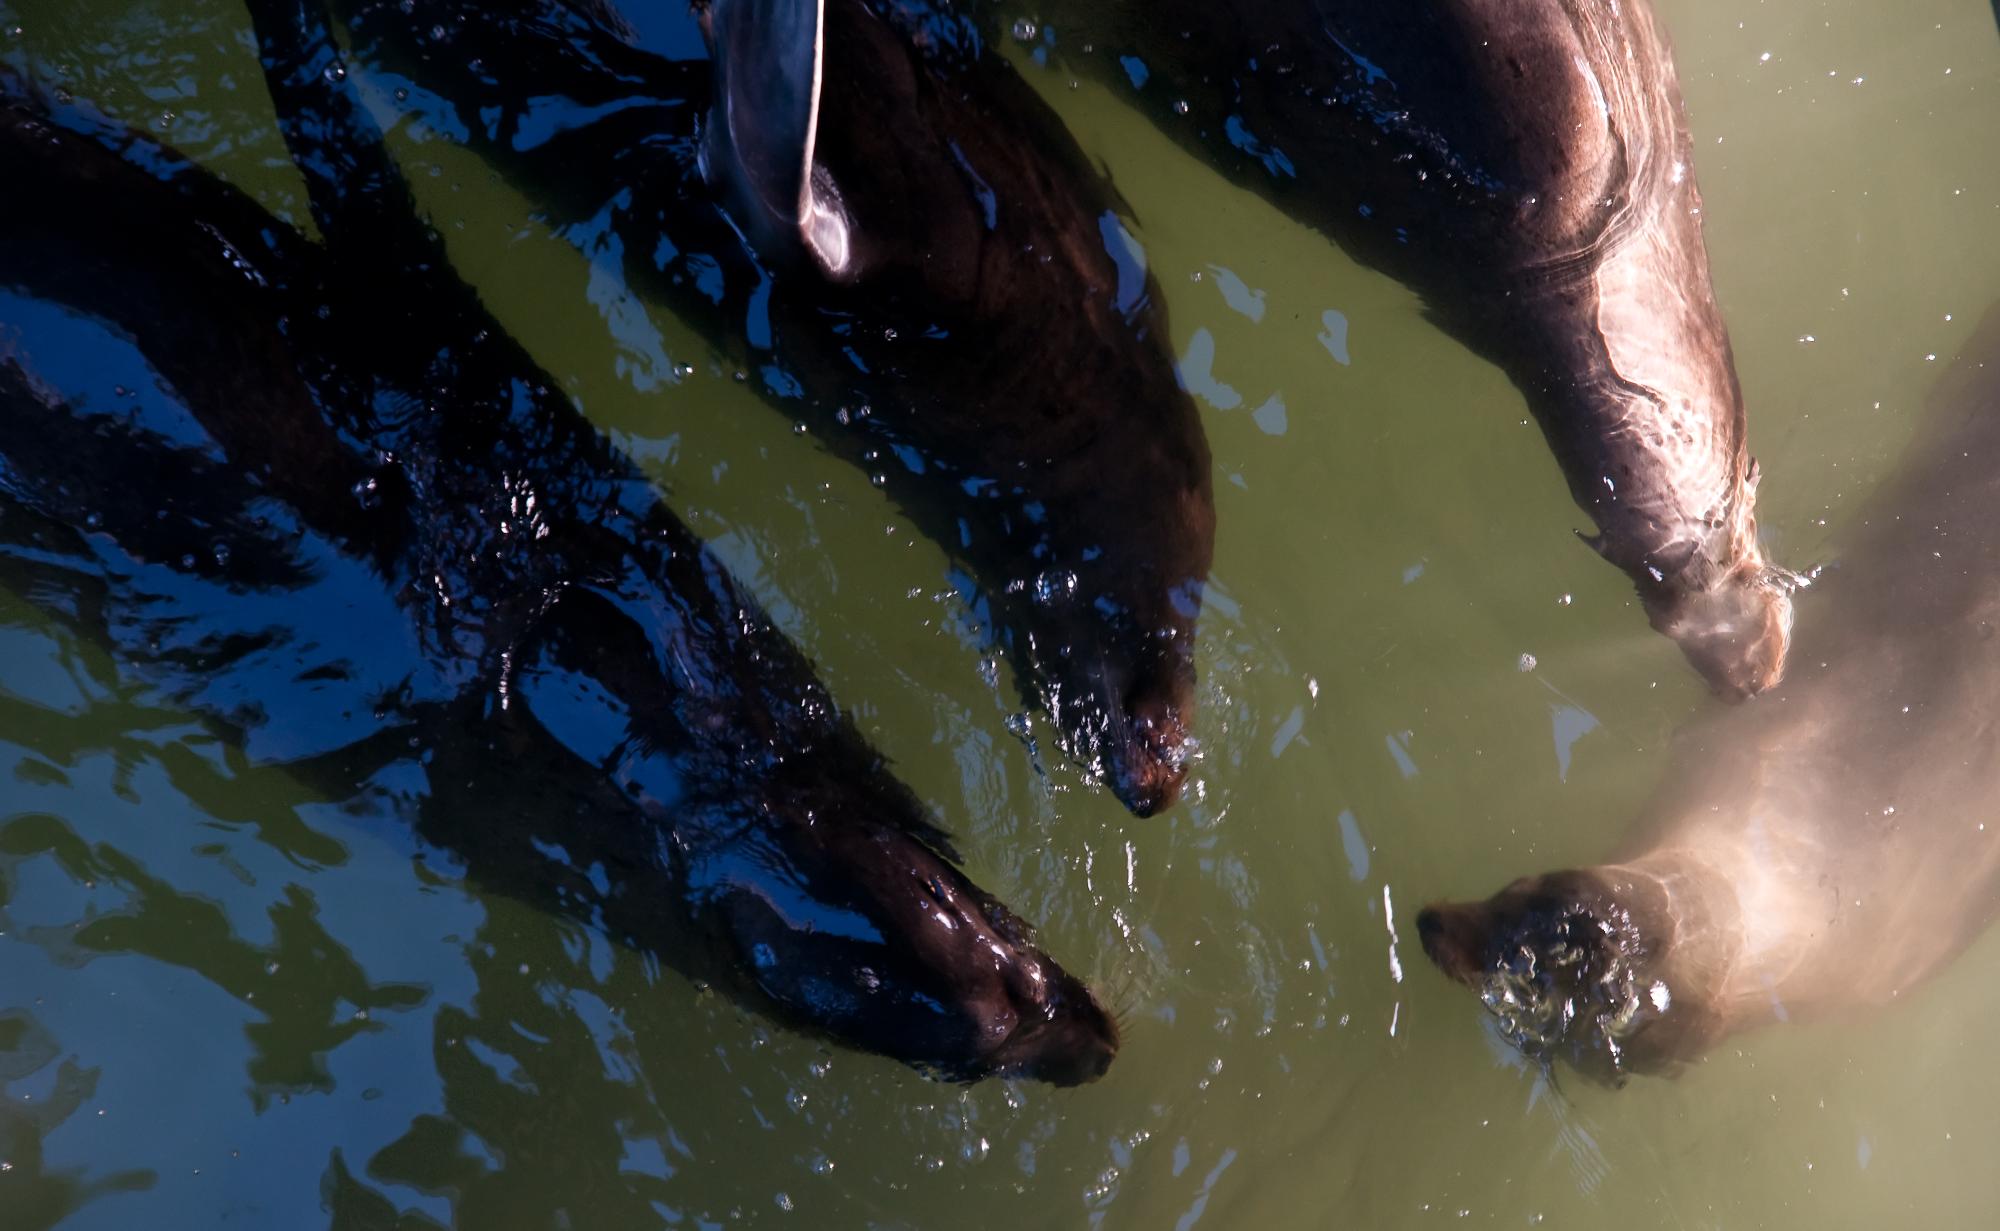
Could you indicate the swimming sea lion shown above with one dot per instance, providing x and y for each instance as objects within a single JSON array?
[
  {"x": 342, "y": 514},
  {"x": 1524, "y": 165},
  {"x": 1829, "y": 847},
  {"x": 910, "y": 251}
]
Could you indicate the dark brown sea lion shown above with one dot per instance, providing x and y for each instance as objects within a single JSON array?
[
  {"x": 910, "y": 252},
  {"x": 1829, "y": 847},
  {"x": 342, "y": 514},
  {"x": 1525, "y": 166}
]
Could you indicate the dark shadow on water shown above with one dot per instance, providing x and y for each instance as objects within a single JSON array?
[{"x": 35, "y": 1195}]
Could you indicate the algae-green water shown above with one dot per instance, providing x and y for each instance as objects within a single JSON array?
[{"x": 225, "y": 1001}]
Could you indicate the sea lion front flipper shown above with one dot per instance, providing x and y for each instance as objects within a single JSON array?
[{"x": 769, "y": 58}]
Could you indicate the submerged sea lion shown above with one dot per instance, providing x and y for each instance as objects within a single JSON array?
[
  {"x": 1525, "y": 167},
  {"x": 331, "y": 506},
  {"x": 1832, "y": 845},
  {"x": 908, "y": 249}
]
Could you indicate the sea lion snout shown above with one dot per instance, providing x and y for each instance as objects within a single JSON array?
[
  {"x": 1064, "y": 1037},
  {"x": 1564, "y": 962},
  {"x": 1453, "y": 939},
  {"x": 1150, "y": 768},
  {"x": 1128, "y": 721},
  {"x": 871, "y": 934},
  {"x": 1736, "y": 633}
]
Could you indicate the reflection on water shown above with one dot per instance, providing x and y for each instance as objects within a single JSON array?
[
  {"x": 38, "y": 1195},
  {"x": 425, "y": 1054}
]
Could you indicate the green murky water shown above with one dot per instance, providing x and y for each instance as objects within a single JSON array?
[{"x": 224, "y": 1001}]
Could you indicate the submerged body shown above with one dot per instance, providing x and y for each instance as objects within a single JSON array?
[
  {"x": 1523, "y": 165},
  {"x": 1827, "y": 848},
  {"x": 344, "y": 516},
  {"x": 909, "y": 253}
]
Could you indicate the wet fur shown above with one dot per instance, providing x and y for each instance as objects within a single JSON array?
[
  {"x": 396, "y": 547},
  {"x": 1832, "y": 846},
  {"x": 1525, "y": 166},
  {"x": 984, "y": 351}
]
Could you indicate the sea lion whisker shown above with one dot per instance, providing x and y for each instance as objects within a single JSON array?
[{"x": 1786, "y": 580}]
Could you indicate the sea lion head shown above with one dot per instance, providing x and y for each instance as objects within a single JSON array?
[
  {"x": 1149, "y": 759},
  {"x": 1140, "y": 731},
  {"x": 868, "y": 933},
  {"x": 1723, "y": 603},
  {"x": 1736, "y": 631},
  {"x": 1124, "y": 712},
  {"x": 1570, "y": 964}
]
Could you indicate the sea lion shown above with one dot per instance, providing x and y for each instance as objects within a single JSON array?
[
  {"x": 912, "y": 254},
  {"x": 1829, "y": 847},
  {"x": 1524, "y": 165},
  {"x": 344, "y": 516}
]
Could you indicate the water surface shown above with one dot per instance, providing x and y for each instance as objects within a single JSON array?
[{"x": 222, "y": 997}]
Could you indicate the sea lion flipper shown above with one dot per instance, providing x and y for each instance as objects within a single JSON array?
[{"x": 769, "y": 60}]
